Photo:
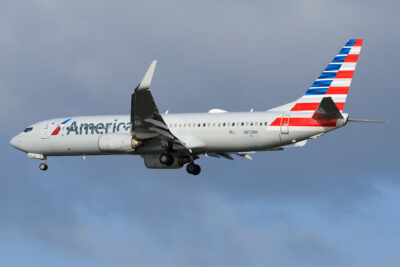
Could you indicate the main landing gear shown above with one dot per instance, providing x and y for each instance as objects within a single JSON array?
[
  {"x": 168, "y": 159},
  {"x": 193, "y": 168}
]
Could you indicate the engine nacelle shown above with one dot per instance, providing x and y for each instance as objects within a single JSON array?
[
  {"x": 117, "y": 142},
  {"x": 153, "y": 162}
]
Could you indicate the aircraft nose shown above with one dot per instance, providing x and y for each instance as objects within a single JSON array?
[{"x": 16, "y": 141}]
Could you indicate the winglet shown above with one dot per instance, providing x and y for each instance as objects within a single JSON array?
[{"x": 145, "y": 83}]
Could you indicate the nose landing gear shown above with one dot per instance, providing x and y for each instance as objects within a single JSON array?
[
  {"x": 43, "y": 166},
  {"x": 193, "y": 169}
]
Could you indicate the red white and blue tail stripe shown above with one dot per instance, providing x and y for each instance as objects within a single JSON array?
[{"x": 334, "y": 81}]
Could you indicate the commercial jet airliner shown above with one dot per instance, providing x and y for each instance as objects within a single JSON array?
[{"x": 169, "y": 141}]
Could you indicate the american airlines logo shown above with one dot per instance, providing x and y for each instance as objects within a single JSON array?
[{"x": 98, "y": 128}]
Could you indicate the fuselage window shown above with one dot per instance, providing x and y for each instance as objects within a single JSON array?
[
  {"x": 242, "y": 123},
  {"x": 219, "y": 124},
  {"x": 209, "y": 124},
  {"x": 184, "y": 125},
  {"x": 256, "y": 123},
  {"x": 175, "y": 125},
  {"x": 266, "y": 123},
  {"x": 247, "y": 123},
  {"x": 223, "y": 124},
  {"x": 198, "y": 125},
  {"x": 251, "y": 123},
  {"x": 233, "y": 124},
  {"x": 28, "y": 129},
  {"x": 214, "y": 124}
]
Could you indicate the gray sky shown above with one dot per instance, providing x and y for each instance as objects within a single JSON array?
[{"x": 332, "y": 203}]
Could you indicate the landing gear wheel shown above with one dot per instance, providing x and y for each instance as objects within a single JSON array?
[
  {"x": 166, "y": 159},
  {"x": 193, "y": 169},
  {"x": 43, "y": 166}
]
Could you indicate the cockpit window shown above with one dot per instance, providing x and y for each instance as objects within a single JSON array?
[{"x": 28, "y": 129}]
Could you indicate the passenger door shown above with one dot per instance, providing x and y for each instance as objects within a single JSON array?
[
  {"x": 285, "y": 124},
  {"x": 45, "y": 131}
]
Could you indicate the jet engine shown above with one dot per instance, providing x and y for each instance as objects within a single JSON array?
[
  {"x": 117, "y": 142},
  {"x": 154, "y": 161}
]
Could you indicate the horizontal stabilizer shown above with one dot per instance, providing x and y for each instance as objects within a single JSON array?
[
  {"x": 327, "y": 110},
  {"x": 301, "y": 143},
  {"x": 317, "y": 136},
  {"x": 297, "y": 144}
]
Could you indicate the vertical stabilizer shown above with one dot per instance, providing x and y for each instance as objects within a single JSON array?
[{"x": 333, "y": 82}]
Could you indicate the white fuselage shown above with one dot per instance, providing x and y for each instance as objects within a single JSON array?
[{"x": 202, "y": 132}]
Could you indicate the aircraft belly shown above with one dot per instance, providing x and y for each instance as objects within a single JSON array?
[
  {"x": 240, "y": 140},
  {"x": 71, "y": 145},
  {"x": 301, "y": 133}
]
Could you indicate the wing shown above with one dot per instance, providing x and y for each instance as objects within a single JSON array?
[{"x": 146, "y": 121}]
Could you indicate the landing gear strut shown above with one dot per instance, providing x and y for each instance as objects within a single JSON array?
[
  {"x": 43, "y": 166},
  {"x": 193, "y": 169}
]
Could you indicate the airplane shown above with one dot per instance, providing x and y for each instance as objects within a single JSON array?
[{"x": 169, "y": 141}]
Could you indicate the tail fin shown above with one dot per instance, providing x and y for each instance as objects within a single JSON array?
[{"x": 333, "y": 82}]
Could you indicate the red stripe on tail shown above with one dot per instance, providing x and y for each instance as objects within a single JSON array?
[
  {"x": 351, "y": 58},
  {"x": 344, "y": 74},
  {"x": 312, "y": 106},
  {"x": 305, "y": 106},
  {"x": 358, "y": 42},
  {"x": 338, "y": 90}
]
